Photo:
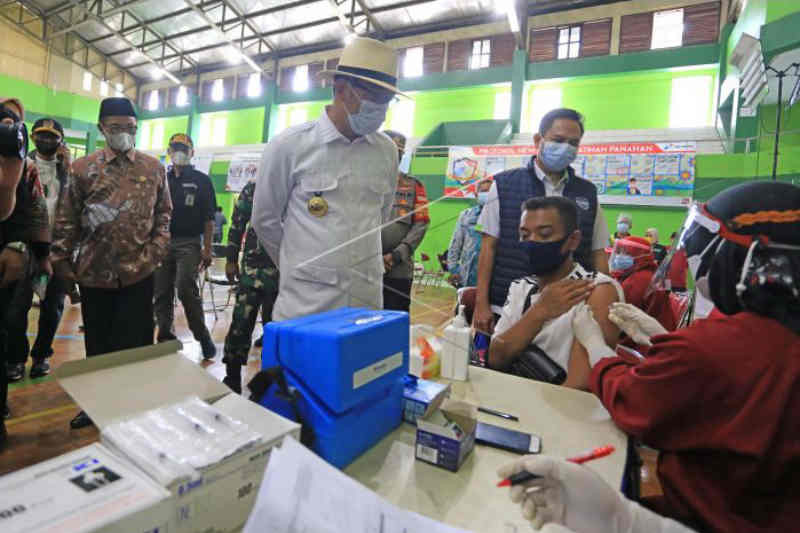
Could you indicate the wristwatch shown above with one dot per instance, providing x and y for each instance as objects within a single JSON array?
[{"x": 17, "y": 246}]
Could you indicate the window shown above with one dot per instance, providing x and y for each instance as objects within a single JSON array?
[
  {"x": 481, "y": 52},
  {"x": 254, "y": 85},
  {"x": 667, "y": 29},
  {"x": 690, "y": 104},
  {"x": 103, "y": 88},
  {"x": 412, "y": 63},
  {"x": 182, "y": 99},
  {"x": 569, "y": 42},
  {"x": 300, "y": 79},
  {"x": 402, "y": 118},
  {"x": 157, "y": 136},
  {"x": 542, "y": 100},
  {"x": 217, "y": 90},
  {"x": 502, "y": 105},
  {"x": 87, "y": 81},
  {"x": 152, "y": 100},
  {"x": 119, "y": 88}
]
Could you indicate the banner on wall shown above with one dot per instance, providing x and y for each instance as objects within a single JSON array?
[
  {"x": 624, "y": 173},
  {"x": 243, "y": 168}
]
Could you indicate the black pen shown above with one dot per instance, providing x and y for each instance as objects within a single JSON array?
[{"x": 498, "y": 413}]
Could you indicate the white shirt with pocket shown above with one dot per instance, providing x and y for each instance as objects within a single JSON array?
[
  {"x": 333, "y": 260},
  {"x": 555, "y": 337}
]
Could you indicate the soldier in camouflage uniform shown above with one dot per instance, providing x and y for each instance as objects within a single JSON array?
[{"x": 257, "y": 289}]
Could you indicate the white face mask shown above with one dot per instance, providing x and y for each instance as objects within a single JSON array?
[
  {"x": 120, "y": 142},
  {"x": 405, "y": 163},
  {"x": 180, "y": 159},
  {"x": 368, "y": 118}
]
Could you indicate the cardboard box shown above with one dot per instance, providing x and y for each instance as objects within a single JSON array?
[
  {"x": 421, "y": 396},
  {"x": 445, "y": 446},
  {"x": 89, "y": 489},
  {"x": 123, "y": 384}
]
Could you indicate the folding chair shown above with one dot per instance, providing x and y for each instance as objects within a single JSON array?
[{"x": 212, "y": 278}]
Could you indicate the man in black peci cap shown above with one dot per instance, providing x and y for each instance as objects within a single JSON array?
[{"x": 116, "y": 211}]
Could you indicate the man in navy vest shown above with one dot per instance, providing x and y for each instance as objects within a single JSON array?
[{"x": 502, "y": 259}]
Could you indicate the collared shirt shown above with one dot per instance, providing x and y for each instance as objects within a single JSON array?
[
  {"x": 489, "y": 221},
  {"x": 556, "y": 336},
  {"x": 112, "y": 223},
  {"x": 490, "y": 217},
  {"x": 465, "y": 247},
  {"x": 193, "y": 202},
  {"x": 410, "y": 221},
  {"x": 319, "y": 203}
]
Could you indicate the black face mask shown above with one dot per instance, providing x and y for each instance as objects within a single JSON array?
[
  {"x": 47, "y": 147},
  {"x": 544, "y": 257}
]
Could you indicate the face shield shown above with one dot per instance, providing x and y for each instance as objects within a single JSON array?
[
  {"x": 629, "y": 255},
  {"x": 701, "y": 238}
]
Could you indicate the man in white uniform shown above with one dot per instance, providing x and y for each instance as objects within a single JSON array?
[
  {"x": 326, "y": 187},
  {"x": 540, "y": 307}
]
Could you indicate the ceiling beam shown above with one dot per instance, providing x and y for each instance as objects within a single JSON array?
[
  {"x": 288, "y": 29},
  {"x": 379, "y": 31},
  {"x": 228, "y": 41},
  {"x": 47, "y": 24},
  {"x": 210, "y": 4}
]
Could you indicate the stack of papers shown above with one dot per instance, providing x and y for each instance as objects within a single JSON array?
[{"x": 302, "y": 493}]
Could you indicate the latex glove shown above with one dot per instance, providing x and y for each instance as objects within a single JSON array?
[
  {"x": 637, "y": 324},
  {"x": 589, "y": 334},
  {"x": 576, "y": 497}
]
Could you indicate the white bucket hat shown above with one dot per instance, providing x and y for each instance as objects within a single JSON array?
[{"x": 368, "y": 60}]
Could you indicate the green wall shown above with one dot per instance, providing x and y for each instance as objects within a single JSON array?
[
  {"x": 777, "y": 9},
  {"x": 621, "y": 101},
  {"x": 434, "y": 107},
  {"x": 171, "y": 125},
  {"x": 753, "y": 16}
]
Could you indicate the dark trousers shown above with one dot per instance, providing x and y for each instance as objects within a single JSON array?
[
  {"x": 50, "y": 311},
  {"x": 117, "y": 319},
  {"x": 397, "y": 294},
  {"x": 6, "y": 301},
  {"x": 15, "y": 321},
  {"x": 179, "y": 271}
]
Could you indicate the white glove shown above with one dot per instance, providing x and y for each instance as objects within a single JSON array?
[
  {"x": 576, "y": 497},
  {"x": 589, "y": 334},
  {"x": 637, "y": 324}
]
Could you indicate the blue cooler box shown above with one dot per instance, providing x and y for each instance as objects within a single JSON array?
[{"x": 348, "y": 365}]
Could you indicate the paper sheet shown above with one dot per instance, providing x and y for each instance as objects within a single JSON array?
[{"x": 301, "y": 493}]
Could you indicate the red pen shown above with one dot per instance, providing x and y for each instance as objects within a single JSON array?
[{"x": 523, "y": 477}]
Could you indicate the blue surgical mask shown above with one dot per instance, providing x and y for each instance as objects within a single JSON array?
[
  {"x": 623, "y": 227},
  {"x": 483, "y": 197},
  {"x": 544, "y": 257},
  {"x": 368, "y": 118},
  {"x": 621, "y": 263},
  {"x": 557, "y": 156},
  {"x": 405, "y": 163}
]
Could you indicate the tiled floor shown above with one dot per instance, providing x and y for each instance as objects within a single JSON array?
[{"x": 39, "y": 428}]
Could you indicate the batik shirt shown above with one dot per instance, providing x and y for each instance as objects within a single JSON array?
[
  {"x": 112, "y": 223},
  {"x": 465, "y": 246}
]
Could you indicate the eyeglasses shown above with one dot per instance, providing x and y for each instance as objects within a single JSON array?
[
  {"x": 115, "y": 128},
  {"x": 372, "y": 92}
]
